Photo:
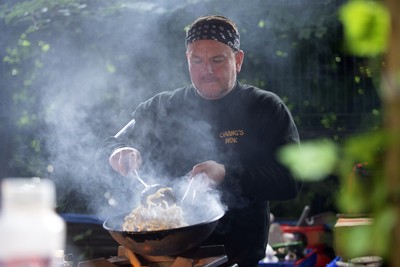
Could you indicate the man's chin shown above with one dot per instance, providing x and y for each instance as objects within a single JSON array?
[{"x": 210, "y": 94}]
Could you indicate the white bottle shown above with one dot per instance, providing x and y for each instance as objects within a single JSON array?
[{"x": 31, "y": 232}]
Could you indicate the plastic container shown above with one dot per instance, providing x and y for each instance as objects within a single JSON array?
[
  {"x": 333, "y": 262},
  {"x": 344, "y": 227},
  {"x": 315, "y": 234},
  {"x": 31, "y": 232},
  {"x": 309, "y": 260},
  {"x": 318, "y": 237}
]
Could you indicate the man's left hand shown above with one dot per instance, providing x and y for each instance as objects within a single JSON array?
[{"x": 214, "y": 171}]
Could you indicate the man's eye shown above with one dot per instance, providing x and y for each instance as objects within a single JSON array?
[
  {"x": 218, "y": 59},
  {"x": 196, "y": 60}
]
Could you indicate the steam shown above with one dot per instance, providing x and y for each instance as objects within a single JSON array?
[
  {"x": 131, "y": 60},
  {"x": 76, "y": 118},
  {"x": 198, "y": 198}
]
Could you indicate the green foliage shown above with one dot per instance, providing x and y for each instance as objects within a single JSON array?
[
  {"x": 366, "y": 27},
  {"x": 364, "y": 191},
  {"x": 364, "y": 188},
  {"x": 34, "y": 11},
  {"x": 315, "y": 161},
  {"x": 358, "y": 163}
]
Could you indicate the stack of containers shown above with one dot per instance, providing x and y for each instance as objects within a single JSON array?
[{"x": 316, "y": 236}]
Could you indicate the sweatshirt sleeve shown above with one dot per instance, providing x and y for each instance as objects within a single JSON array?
[{"x": 128, "y": 139}]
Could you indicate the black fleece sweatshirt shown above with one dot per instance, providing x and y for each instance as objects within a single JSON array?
[{"x": 176, "y": 130}]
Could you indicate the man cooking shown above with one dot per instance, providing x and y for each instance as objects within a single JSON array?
[{"x": 222, "y": 128}]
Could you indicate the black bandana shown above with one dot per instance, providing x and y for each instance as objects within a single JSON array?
[{"x": 214, "y": 30}]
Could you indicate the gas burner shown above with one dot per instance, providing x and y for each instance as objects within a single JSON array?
[{"x": 205, "y": 256}]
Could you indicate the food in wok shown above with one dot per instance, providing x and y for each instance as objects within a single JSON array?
[
  {"x": 157, "y": 214},
  {"x": 198, "y": 219}
]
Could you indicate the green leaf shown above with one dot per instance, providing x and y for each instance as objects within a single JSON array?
[
  {"x": 365, "y": 148},
  {"x": 25, "y": 43},
  {"x": 314, "y": 162},
  {"x": 110, "y": 67},
  {"x": 366, "y": 27},
  {"x": 45, "y": 47},
  {"x": 384, "y": 222}
]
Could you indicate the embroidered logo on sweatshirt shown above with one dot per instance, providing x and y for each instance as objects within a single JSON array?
[{"x": 231, "y": 136}]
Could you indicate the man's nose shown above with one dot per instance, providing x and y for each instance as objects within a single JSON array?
[{"x": 209, "y": 67}]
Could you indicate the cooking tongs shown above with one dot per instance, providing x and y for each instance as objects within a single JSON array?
[
  {"x": 187, "y": 191},
  {"x": 151, "y": 189}
]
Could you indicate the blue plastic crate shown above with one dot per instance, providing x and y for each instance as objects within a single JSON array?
[{"x": 333, "y": 262}]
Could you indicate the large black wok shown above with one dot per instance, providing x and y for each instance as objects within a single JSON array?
[{"x": 161, "y": 242}]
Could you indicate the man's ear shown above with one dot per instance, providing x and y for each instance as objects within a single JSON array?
[{"x": 239, "y": 56}]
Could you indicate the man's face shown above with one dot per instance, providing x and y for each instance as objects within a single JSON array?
[{"x": 213, "y": 67}]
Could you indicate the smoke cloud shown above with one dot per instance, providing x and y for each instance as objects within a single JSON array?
[{"x": 125, "y": 59}]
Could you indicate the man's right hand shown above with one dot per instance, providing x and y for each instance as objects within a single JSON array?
[{"x": 125, "y": 160}]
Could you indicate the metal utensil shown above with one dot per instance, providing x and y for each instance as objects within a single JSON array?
[
  {"x": 125, "y": 128},
  {"x": 167, "y": 194},
  {"x": 135, "y": 175},
  {"x": 303, "y": 217},
  {"x": 190, "y": 188},
  {"x": 187, "y": 190},
  {"x": 169, "y": 197}
]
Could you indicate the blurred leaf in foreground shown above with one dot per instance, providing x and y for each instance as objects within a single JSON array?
[
  {"x": 366, "y": 27},
  {"x": 314, "y": 162}
]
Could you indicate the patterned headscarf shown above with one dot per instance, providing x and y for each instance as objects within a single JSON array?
[{"x": 215, "y": 28}]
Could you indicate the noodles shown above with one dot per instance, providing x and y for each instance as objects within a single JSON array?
[{"x": 158, "y": 215}]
